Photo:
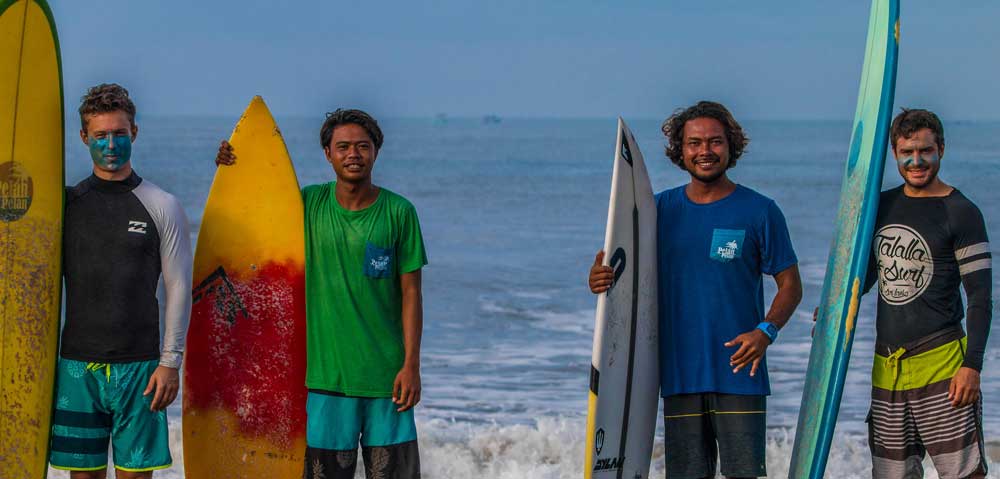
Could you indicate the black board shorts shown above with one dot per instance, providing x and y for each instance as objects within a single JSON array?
[{"x": 703, "y": 431}]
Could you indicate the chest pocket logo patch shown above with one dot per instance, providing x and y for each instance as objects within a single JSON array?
[
  {"x": 727, "y": 245},
  {"x": 378, "y": 261}
]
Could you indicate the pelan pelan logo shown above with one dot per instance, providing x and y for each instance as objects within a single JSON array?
[{"x": 16, "y": 191}]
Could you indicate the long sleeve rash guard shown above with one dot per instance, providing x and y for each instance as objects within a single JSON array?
[
  {"x": 923, "y": 249},
  {"x": 119, "y": 236}
]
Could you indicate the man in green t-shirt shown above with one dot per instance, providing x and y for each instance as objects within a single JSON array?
[{"x": 364, "y": 316}]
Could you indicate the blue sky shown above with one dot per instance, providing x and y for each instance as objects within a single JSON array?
[{"x": 524, "y": 58}]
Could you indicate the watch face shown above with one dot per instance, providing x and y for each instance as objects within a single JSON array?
[{"x": 770, "y": 330}]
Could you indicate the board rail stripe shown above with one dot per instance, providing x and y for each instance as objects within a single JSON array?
[
  {"x": 595, "y": 379},
  {"x": 635, "y": 307}
]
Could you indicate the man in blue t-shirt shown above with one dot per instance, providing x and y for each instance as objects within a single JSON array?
[{"x": 714, "y": 240}]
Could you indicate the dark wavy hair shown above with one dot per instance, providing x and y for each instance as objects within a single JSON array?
[
  {"x": 908, "y": 122},
  {"x": 344, "y": 117},
  {"x": 106, "y": 98},
  {"x": 673, "y": 129}
]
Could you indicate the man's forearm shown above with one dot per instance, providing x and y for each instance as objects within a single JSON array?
[
  {"x": 978, "y": 320},
  {"x": 783, "y": 307},
  {"x": 413, "y": 325},
  {"x": 787, "y": 299},
  {"x": 412, "y": 319}
]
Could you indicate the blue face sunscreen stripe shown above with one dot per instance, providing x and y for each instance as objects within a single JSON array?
[
  {"x": 925, "y": 161},
  {"x": 100, "y": 149}
]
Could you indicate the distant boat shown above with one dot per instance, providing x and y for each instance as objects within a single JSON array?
[{"x": 491, "y": 119}]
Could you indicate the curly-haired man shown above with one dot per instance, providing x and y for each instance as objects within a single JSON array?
[
  {"x": 114, "y": 379},
  {"x": 715, "y": 239},
  {"x": 364, "y": 317}
]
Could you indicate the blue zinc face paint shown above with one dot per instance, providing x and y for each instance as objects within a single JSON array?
[
  {"x": 926, "y": 161},
  {"x": 101, "y": 149}
]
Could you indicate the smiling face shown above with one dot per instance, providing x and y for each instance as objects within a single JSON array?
[
  {"x": 109, "y": 137},
  {"x": 352, "y": 153},
  {"x": 706, "y": 149},
  {"x": 918, "y": 158}
]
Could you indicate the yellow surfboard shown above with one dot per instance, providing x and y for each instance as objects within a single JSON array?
[
  {"x": 244, "y": 370},
  {"x": 31, "y": 209}
]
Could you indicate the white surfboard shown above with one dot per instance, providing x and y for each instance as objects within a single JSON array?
[{"x": 625, "y": 372}]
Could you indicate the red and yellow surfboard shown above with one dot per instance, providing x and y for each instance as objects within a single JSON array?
[{"x": 244, "y": 370}]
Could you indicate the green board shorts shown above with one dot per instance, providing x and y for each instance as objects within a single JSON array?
[
  {"x": 97, "y": 403},
  {"x": 336, "y": 424}
]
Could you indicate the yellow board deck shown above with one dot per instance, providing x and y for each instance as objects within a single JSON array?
[
  {"x": 244, "y": 371},
  {"x": 31, "y": 211}
]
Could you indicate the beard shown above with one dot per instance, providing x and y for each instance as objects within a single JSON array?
[
  {"x": 932, "y": 173},
  {"x": 707, "y": 177}
]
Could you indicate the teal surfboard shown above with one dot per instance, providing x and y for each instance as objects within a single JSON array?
[{"x": 845, "y": 271}]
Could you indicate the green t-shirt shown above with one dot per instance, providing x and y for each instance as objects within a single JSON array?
[{"x": 353, "y": 298}]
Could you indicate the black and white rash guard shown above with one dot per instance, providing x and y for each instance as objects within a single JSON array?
[
  {"x": 119, "y": 236},
  {"x": 923, "y": 249}
]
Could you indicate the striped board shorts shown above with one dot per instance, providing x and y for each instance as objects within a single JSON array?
[{"x": 911, "y": 414}]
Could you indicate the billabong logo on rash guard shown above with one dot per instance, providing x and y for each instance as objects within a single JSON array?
[
  {"x": 905, "y": 264},
  {"x": 137, "y": 227}
]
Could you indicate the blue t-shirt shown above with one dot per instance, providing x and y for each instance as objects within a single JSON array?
[{"x": 711, "y": 257}]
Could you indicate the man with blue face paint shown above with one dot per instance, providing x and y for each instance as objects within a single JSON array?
[
  {"x": 121, "y": 232},
  {"x": 929, "y": 240},
  {"x": 110, "y": 150}
]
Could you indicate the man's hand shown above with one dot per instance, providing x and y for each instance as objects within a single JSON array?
[
  {"x": 964, "y": 387},
  {"x": 752, "y": 347},
  {"x": 406, "y": 388},
  {"x": 225, "y": 155},
  {"x": 601, "y": 277},
  {"x": 164, "y": 383}
]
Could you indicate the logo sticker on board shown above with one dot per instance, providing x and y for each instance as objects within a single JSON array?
[
  {"x": 905, "y": 263},
  {"x": 16, "y": 191}
]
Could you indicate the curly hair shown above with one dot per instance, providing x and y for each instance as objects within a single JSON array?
[
  {"x": 344, "y": 117},
  {"x": 105, "y": 98},
  {"x": 908, "y": 122},
  {"x": 673, "y": 129}
]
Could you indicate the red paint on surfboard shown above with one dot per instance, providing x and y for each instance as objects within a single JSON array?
[{"x": 247, "y": 337}]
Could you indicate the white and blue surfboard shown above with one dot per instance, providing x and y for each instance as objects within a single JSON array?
[{"x": 625, "y": 373}]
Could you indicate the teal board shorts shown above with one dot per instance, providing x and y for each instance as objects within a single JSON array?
[
  {"x": 97, "y": 403},
  {"x": 336, "y": 424}
]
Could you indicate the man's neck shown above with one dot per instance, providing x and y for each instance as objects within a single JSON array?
[
  {"x": 709, "y": 192},
  {"x": 936, "y": 189},
  {"x": 118, "y": 175},
  {"x": 355, "y": 196}
]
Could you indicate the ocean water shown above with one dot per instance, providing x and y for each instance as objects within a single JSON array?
[{"x": 512, "y": 214}]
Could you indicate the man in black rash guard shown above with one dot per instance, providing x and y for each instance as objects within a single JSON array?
[
  {"x": 115, "y": 379},
  {"x": 929, "y": 239}
]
